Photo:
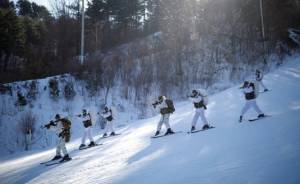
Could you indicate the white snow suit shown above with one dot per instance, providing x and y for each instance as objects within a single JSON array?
[
  {"x": 259, "y": 77},
  {"x": 164, "y": 117},
  {"x": 108, "y": 116},
  {"x": 87, "y": 122},
  {"x": 61, "y": 143},
  {"x": 199, "y": 111},
  {"x": 250, "y": 100}
]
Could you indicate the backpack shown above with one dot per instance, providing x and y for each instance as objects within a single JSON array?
[
  {"x": 256, "y": 88},
  {"x": 171, "y": 107},
  {"x": 66, "y": 133},
  {"x": 66, "y": 123},
  {"x": 204, "y": 96}
]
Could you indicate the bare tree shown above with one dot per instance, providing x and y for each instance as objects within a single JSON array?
[{"x": 26, "y": 126}]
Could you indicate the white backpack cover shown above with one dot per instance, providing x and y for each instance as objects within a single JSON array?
[{"x": 204, "y": 96}]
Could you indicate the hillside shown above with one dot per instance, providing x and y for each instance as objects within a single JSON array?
[{"x": 264, "y": 151}]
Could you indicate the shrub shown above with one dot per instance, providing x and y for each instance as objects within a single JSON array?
[
  {"x": 32, "y": 91},
  {"x": 69, "y": 91},
  {"x": 27, "y": 124},
  {"x": 53, "y": 88},
  {"x": 21, "y": 99}
]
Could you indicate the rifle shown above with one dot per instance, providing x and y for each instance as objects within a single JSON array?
[
  {"x": 51, "y": 123},
  {"x": 155, "y": 104}
]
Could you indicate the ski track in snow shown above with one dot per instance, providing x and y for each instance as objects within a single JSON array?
[{"x": 264, "y": 151}]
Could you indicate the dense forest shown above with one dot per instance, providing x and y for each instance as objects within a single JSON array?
[{"x": 36, "y": 42}]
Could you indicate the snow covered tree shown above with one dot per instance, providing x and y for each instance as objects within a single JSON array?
[
  {"x": 27, "y": 127},
  {"x": 69, "y": 91}
]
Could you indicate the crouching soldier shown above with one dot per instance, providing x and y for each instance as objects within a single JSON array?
[
  {"x": 62, "y": 128},
  {"x": 165, "y": 107}
]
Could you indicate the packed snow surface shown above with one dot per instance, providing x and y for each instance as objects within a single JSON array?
[{"x": 261, "y": 152}]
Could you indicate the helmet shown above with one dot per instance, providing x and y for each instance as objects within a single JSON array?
[
  {"x": 84, "y": 111},
  {"x": 257, "y": 71},
  {"x": 194, "y": 92},
  {"x": 57, "y": 116},
  {"x": 246, "y": 83},
  {"x": 106, "y": 108},
  {"x": 161, "y": 98}
]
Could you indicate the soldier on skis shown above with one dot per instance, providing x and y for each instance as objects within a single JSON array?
[
  {"x": 87, "y": 123},
  {"x": 249, "y": 91},
  {"x": 258, "y": 77},
  {"x": 200, "y": 101},
  {"x": 108, "y": 116},
  {"x": 165, "y": 107},
  {"x": 62, "y": 128}
]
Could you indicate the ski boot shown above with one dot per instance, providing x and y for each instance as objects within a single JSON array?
[
  {"x": 205, "y": 127},
  {"x": 169, "y": 131},
  {"x": 265, "y": 90},
  {"x": 57, "y": 157},
  {"x": 65, "y": 158},
  {"x": 112, "y": 134},
  {"x": 104, "y": 135},
  {"x": 156, "y": 133},
  {"x": 193, "y": 128},
  {"x": 92, "y": 143},
  {"x": 241, "y": 119},
  {"x": 261, "y": 115},
  {"x": 81, "y": 146}
]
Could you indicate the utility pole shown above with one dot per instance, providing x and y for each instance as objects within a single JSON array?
[
  {"x": 263, "y": 28},
  {"x": 82, "y": 33}
]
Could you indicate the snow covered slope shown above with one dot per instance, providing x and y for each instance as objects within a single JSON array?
[{"x": 264, "y": 151}]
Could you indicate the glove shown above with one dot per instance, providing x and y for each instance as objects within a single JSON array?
[
  {"x": 52, "y": 123},
  {"x": 47, "y": 126}
]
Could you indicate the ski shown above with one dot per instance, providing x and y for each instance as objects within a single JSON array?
[
  {"x": 109, "y": 136},
  {"x": 86, "y": 147},
  {"x": 264, "y": 91},
  {"x": 46, "y": 162},
  {"x": 255, "y": 119},
  {"x": 163, "y": 135},
  {"x": 200, "y": 130},
  {"x": 56, "y": 163}
]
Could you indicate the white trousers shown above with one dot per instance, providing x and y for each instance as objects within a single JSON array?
[
  {"x": 262, "y": 84},
  {"x": 163, "y": 120},
  {"x": 61, "y": 147},
  {"x": 199, "y": 112},
  {"x": 248, "y": 105},
  {"x": 87, "y": 133},
  {"x": 109, "y": 126}
]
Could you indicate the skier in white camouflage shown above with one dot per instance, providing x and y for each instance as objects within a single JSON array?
[
  {"x": 200, "y": 101},
  {"x": 87, "y": 123},
  {"x": 250, "y": 96},
  {"x": 62, "y": 128},
  {"x": 165, "y": 110},
  {"x": 259, "y": 77},
  {"x": 108, "y": 116}
]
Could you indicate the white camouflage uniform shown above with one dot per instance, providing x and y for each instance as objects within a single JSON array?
[
  {"x": 198, "y": 111},
  {"x": 87, "y": 130},
  {"x": 259, "y": 76},
  {"x": 164, "y": 117},
  {"x": 250, "y": 102},
  {"x": 109, "y": 124}
]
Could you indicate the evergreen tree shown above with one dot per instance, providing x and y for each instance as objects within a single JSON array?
[{"x": 11, "y": 34}]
